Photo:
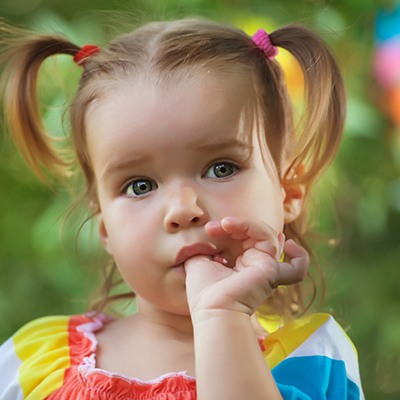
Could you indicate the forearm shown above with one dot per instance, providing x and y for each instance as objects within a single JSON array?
[{"x": 229, "y": 362}]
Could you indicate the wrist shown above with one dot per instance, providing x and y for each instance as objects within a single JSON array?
[
  {"x": 210, "y": 306},
  {"x": 219, "y": 317}
]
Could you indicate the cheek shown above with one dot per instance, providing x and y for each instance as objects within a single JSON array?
[
  {"x": 256, "y": 198},
  {"x": 128, "y": 230},
  {"x": 270, "y": 209}
]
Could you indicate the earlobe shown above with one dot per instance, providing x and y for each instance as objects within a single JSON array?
[
  {"x": 103, "y": 234},
  {"x": 294, "y": 199},
  {"x": 101, "y": 227}
]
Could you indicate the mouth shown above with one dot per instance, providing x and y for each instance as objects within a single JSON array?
[{"x": 194, "y": 250}]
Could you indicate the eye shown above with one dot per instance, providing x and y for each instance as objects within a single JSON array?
[
  {"x": 139, "y": 187},
  {"x": 222, "y": 169}
]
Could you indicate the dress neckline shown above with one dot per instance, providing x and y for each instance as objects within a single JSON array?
[{"x": 88, "y": 364}]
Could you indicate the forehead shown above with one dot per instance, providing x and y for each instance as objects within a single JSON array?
[{"x": 150, "y": 112}]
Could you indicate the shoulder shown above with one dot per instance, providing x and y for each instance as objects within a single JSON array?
[
  {"x": 315, "y": 354},
  {"x": 34, "y": 359}
]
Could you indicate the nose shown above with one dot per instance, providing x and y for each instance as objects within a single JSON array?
[{"x": 183, "y": 210}]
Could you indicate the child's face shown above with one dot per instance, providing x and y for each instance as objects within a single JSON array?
[{"x": 167, "y": 160}]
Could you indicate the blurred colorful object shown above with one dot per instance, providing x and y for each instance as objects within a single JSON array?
[{"x": 386, "y": 60}]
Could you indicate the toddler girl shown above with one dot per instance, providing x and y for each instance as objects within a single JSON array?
[{"x": 197, "y": 175}]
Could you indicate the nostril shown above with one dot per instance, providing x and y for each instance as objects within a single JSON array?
[
  {"x": 174, "y": 225},
  {"x": 195, "y": 220}
]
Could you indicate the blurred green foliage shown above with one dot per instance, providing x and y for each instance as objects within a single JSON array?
[{"x": 47, "y": 268}]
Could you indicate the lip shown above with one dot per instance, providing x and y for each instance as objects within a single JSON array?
[{"x": 195, "y": 250}]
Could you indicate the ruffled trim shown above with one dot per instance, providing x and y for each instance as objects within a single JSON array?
[
  {"x": 88, "y": 329},
  {"x": 88, "y": 367}
]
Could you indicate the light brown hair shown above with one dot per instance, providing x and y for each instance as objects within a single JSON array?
[{"x": 301, "y": 148}]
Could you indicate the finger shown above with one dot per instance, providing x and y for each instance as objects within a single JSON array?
[
  {"x": 297, "y": 253},
  {"x": 215, "y": 229},
  {"x": 296, "y": 270},
  {"x": 273, "y": 247},
  {"x": 255, "y": 258},
  {"x": 240, "y": 229},
  {"x": 268, "y": 247},
  {"x": 246, "y": 229}
]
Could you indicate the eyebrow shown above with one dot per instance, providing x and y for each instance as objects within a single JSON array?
[
  {"x": 225, "y": 144},
  {"x": 113, "y": 167}
]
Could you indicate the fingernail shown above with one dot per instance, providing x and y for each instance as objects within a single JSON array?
[
  {"x": 220, "y": 259},
  {"x": 212, "y": 223}
]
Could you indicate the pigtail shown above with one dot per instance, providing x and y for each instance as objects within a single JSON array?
[
  {"x": 23, "y": 55},
  {"x": 309, "y": 145},
  {"x": 322, "y": 126}
]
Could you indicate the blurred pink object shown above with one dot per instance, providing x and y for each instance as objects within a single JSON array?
[{"x": 386, "y": 63}]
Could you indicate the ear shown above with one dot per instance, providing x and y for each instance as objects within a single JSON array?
[
  {"x": 103, "y": 234},
  {"x": 101, "y": 227},
  {"x": 294, "y": 199},
  {"x": 294, "y": 194}
]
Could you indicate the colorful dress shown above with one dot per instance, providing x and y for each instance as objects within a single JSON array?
[{"x": 54, "y": 358}]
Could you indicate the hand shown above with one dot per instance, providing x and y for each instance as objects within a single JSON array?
[{"x": 257, "y": 271}]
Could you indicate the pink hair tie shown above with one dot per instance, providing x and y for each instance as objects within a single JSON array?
[
  {"x": 85, "y": 52},
  {"x": 263, "y": 42}
]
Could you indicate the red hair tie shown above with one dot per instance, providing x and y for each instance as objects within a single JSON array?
[
  {"x": 263, "y": 42},
  {"x": 85, "y": 52}
]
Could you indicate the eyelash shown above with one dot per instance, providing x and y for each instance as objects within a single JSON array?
[
  {"x": 234, "y": 168},
  {"x": 140, "y": 183}
]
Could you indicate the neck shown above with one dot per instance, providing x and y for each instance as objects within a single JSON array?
[{"x": 172, "y": 324}]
